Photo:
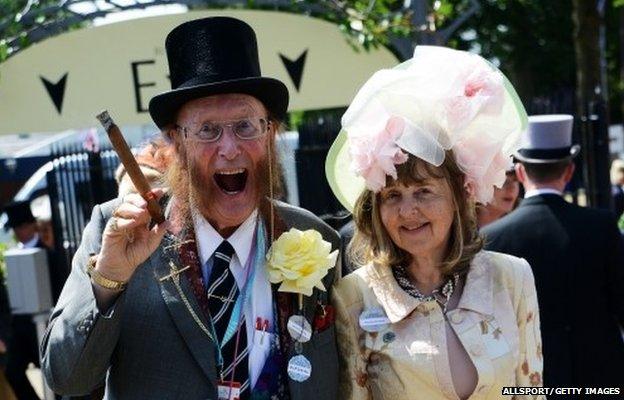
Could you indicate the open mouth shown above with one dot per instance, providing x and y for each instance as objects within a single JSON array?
[{"x": 231, "y": 181}]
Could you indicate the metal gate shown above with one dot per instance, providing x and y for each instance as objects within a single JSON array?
[{"x": 77, "y": 182}]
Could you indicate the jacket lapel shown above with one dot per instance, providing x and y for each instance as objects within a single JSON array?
[
  {"x": 288, "y": 303},
  {"x": 396, "y": 302},
  {"x": 183, "y": 306}
]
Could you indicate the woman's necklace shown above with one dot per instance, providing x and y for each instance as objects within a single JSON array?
[{"x": 446, "y": 291}]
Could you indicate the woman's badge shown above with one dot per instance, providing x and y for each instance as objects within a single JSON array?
[{"x": 374, "y": 319}]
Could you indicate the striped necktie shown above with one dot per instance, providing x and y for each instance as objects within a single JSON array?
[{"x": 222, "y": 292}]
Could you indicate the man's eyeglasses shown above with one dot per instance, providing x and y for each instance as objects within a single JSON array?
[{"x": 245, "y": 129}]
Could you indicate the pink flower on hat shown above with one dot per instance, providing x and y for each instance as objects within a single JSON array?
[
  {"x": 375, "y": 156},
  {"x": 440, "y": 100},
  {"x": 484, "y": 164},
  {"x": 478, "y": 89}
]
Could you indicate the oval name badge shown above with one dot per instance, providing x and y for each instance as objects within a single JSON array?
[
  {"x": 299, "y": 368},
  {"x": 374, "y": 319},
  {"x": 299, "y": 328}
]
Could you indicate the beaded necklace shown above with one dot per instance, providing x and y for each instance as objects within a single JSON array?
[{"x": 445, "y": 291}]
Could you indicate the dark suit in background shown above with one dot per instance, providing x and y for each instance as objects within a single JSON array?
[
  {"x": 5, "y": 320},
  {"x": 6, "y": 392},
  {"x": 346, "y": 234},
  {"x": 577, "y": 258},
  {"x": 618, "y": 200}
]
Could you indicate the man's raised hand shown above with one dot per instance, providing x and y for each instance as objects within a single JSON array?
[{"x": 128, "y": 240}]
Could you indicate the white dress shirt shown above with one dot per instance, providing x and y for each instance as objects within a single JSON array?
[
  {"x": 260, "y": 303},
  {"x": 537, "y": 192},
  {"x": 30, "y": 244}
]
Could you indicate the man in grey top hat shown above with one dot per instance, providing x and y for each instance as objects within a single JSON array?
[
  {"x": 577, "y": 258},
  {"x": 185, "y": 309}
]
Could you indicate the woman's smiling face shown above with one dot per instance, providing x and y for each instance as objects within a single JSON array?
[{"x": 418, "y": 216}]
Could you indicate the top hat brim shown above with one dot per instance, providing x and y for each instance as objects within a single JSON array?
[
  {"x": 527, "y": 157},
  {"x": 271, "y": 92}
]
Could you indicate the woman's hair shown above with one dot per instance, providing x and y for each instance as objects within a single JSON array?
[{"x": 371, "y": 242}]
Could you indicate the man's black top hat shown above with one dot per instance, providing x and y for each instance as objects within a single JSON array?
[
  {"x": 18, "y": 213},
  {"x": 215, "y": 55}
]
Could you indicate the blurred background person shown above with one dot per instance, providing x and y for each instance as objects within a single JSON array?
[
  {"x": 23, "y": 344},
  {"x": 24, "y": 225},
  {"x": 617, "y": 186},
  {"x": 6, "y": 392},
  {"x": 504, "y": 201},
  {"x": 577, "y": 257},
  {"x": 42, "y": 211}
]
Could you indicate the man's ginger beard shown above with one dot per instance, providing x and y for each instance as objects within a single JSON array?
[{"x": 190, "y": 191}]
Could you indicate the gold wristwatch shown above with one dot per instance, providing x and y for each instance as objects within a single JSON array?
[{"x": 100, "y": 280}]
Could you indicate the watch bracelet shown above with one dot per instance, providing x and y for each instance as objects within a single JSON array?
[{"x": 101, "y": 280}]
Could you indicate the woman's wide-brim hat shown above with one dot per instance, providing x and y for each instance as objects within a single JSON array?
[
  {"x": 441, "y": 99},
  {"x": 210, "y": 56}
]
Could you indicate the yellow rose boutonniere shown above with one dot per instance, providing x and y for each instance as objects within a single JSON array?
[{"x": 300, "y": 260}]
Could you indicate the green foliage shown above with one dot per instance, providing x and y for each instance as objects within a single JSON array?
[
  {"x": 366, "y": 23},
  {"x": 18, "y": 14},
  {"x": 613, "y": 17},
  {"x": 295, "y": 119},
  {"x": 3, "y": 248},
  {"x": 531, "y": 40}
]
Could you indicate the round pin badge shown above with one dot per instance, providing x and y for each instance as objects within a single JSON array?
[
  {"x": 299, "y": 328},
  {"x": 374, "y": 319},
  {"x": 299, "y": 368}
]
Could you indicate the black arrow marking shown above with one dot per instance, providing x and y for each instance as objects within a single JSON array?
[
  {"x": 56, "y": 91},
  {"x": 295, "y": 68}
]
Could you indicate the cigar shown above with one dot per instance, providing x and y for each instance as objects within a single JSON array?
[{"x": 131, "y": 166}]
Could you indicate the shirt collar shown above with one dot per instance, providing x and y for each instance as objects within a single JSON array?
[
  {"x": 30, "y": 244},
  {"x": 398, "y": 304},
  {"x": 208, "y": 239},
  {"x": 537, "y": 192}
]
